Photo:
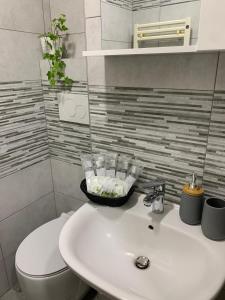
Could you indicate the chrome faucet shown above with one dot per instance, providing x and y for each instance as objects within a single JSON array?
[{"x": 155, "y": 199}]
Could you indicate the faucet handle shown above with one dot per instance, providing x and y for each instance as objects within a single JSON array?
[{"x": 155, "y": 199}]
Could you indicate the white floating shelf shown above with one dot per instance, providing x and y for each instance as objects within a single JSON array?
[{"x": 142, "y": 51}]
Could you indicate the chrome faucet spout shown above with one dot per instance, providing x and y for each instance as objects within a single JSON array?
[{"x": 155, "y": 198}]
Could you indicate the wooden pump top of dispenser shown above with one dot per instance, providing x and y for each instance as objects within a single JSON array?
[{"x": 192, "y": 188}]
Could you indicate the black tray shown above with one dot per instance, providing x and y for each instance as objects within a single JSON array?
[{"x": 113, "y": 202}]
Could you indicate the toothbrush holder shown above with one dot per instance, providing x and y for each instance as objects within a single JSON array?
[{"x": 213, "y": 219}]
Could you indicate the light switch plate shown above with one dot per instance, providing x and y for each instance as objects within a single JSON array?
[{"x": 73, "y": 108}]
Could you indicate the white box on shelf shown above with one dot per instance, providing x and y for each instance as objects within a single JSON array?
[{"x": 73, "y": 108}]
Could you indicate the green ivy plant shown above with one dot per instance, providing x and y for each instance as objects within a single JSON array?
[{"x": 53, "y": 40}]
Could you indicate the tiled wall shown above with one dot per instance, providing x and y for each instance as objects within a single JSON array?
[
  {"x": 108, "y": 24},
  {"x": 214, "y": 171},
  {"x": 128, "y": 13},
  {"x": 166, "y": 10},
  {"x": 28, "y": 198},
  {"x": 166, "y": 129},
  {"x": 67, "y": 140},
  {"x": 145, "y": 4},
  {"x": 127, "y": 4},
  {"x": 23, "y": 136},
  {"x": 173, "y": 121},
  {"x": 116, "y": 23},
  {"x": 168, "y": 111},
  {"x": 26, "y": 189}
]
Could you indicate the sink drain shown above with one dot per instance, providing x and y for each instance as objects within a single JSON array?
[{"x": 142, "y": 262}]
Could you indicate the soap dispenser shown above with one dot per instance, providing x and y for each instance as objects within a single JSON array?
[{"x": 192, "y": 200}]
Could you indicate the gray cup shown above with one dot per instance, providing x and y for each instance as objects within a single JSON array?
[{"x": 213, "y": 219}]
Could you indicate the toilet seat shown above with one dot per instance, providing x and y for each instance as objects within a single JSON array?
[
  {"x": 38, "y": 255},
  {"x": 42, "y": 276}
]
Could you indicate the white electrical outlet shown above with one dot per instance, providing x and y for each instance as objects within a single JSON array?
[{"x": 73, "y": 108}]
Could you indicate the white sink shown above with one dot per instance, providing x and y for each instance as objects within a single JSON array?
[{"x": 101, "y": 245}]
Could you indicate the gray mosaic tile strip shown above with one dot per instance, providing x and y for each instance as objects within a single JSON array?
[
  {"x": 25, "y": 146},
  {"x": 214, "y": 173},
  {"x": 66, "y": 140},
  {"x": 171, "y": 2},
  {"x": 21, "y": 104},
  {"x": 127, "y": 4},
  {"x": 23, "y": 134},
  {"x": 166, "y": 129},
  {"x": 146, "y": 4}
]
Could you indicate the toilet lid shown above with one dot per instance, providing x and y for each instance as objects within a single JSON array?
[{"x": 38, "y": 254}]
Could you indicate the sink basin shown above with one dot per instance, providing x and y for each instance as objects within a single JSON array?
[{"x": 101, "y": 245}]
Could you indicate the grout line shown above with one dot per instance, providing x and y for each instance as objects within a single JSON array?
[
  {"x": 25, "y": 207},
  {"x": 50, "y": 159},
  {"x": 116, "y": 41},
  {"x": 6, "y": 273},
  {"x": 86, "y": 59},
  {"x": 20, "y": 31},
  {"x": 72, "y": 197},
  {"x": 210, "y": 120},
  {"x": 43, "y": 15},
  {"x": 53, "y": 184}
]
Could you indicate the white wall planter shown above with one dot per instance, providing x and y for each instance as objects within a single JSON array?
[{"x": 44, "y": 45}]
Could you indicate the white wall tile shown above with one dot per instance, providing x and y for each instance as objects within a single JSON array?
[
  {"x": 66, "y": 203},
  {"x": 13, "y": 230},
  {"x": 47, "y": 15},
  {"x": 19, "y": 56},
  {"x": 42, "y": 210},
  {"x": 23, "y": 15},
  {"x": 11, "y": 270},
  {"x": 96, "y": 70},
  {"x": 22, "y": 188},
  {"x": 92, "y": 8},
  {"x": 75, "y": 44},
  {"x": 1, "y": 255},
  {"x": 67, "y": 179},
  {"x": 75, "y": 68},
  {"x": 94, "y": 33},
  {"x": 146, "y": 15},
  {"x": 4, "y": 286},
  {"x": 116, "y": 23},
  {"x": 115, "y": 45},
  {"x": 39, "y": 180},
  {"x": 220, "y": 80},
  {"x": 186, "y": 71},
  {"x": 14, "y": 194},
  {"x": 13, "y": 295},
  {"x": 74, "y": 11}
]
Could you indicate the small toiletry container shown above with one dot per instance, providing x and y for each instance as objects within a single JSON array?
[
  {"x": 191, "y": 205},
  {"x": 213, "y": 219}
]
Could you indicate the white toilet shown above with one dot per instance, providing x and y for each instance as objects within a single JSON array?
[{"x": 41, "y": 271}]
